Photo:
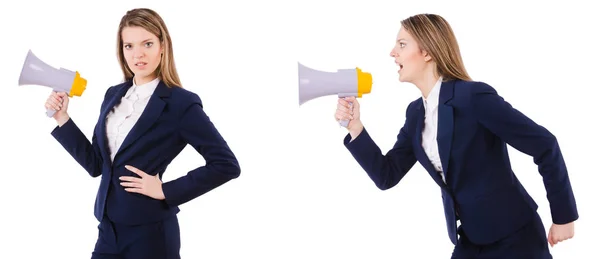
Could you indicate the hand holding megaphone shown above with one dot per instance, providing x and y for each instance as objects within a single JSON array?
[
  {"x": 57, "y": 105},
  {"x": 67, "y": 82},
  {"x": 348, "y": 110}
]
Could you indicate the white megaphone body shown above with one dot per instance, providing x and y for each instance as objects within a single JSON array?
[
  {"x": 343, "y": 83},
  {"x": 36, "y": 72}
]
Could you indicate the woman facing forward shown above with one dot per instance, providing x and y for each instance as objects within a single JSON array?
[
  {"x": 459, "y": 130},
  {"x": 144, "y": 124}
]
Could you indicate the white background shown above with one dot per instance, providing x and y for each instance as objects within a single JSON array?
[{"x": 300, "y": 194}]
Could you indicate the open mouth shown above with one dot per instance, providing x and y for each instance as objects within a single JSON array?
[
  {"x": 140, "y": 64},
  {"x": 399, "y": 65}
]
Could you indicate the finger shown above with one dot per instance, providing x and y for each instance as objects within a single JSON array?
[
  {"x": 343, "y": 102},
  {"x": 132, "y": 184},
  {"x": 343, "y": 109},
  {"x": 63, "y": 98},
  {"x": 49, "y": 106},
  {"x": 58, "y": 101},
  {"x": 130, "y": 179},
  {"x": 550, "y": 240},
  {"x": 343, "y": 116},
  {"x": 135, "y": 170},
  {"x": 347, "y": 107},
  {"x": 54, "y": 104},
  {"x": 347, "y": 103},
  {"x": 555, "y": 239},
  {"x": 352, "y": 101},
  {"x": 53, "y": 99},
  {"x": 355, "y": 106},
  {"x": 135, "y": 190}
]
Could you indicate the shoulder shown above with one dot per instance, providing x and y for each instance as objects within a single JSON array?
[
  {"x": 115, "y": 88},
  {"x": 412, "y": 112},
  {"x": 473, "y": 87},
  {"x": 475, "y": 96},
  {"x": 185, "y": 98},
  {"x": 414, "y": 106}
]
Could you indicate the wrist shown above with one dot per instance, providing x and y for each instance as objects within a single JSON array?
[
  {"x": 356, "y": 129},
  {"x": 62, "y": 119}
]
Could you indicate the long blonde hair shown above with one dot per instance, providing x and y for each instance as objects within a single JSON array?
[
  {"x": 152, "y": 22},
  {"x": 435, "y": 36}
]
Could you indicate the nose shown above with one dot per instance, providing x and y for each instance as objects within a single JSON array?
[{"x": 138, "y": 53}]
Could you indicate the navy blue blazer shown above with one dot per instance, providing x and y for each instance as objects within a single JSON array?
[
  {"x": 475, "y": 125},
  {"x": 173, "y": 118}
]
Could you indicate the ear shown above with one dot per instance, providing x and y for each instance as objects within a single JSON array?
[{"x": 426, "y": 55}]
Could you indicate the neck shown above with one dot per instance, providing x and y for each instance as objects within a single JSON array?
[
  {"x": 426, "y": 83},
  {"x": 143, "y": 80}
]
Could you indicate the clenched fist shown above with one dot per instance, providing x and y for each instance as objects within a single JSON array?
[
  {"x": 59, "y": 102},
  {"x": 348, "y": 108}
]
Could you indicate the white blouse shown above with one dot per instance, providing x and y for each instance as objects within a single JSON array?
[
  {"x": 430, "y": 128},
  {"x": 124, "y": 115}
]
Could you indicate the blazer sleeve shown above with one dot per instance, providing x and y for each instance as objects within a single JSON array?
[
  {"x": 522, "y": 133},
  {"x": 79, "y": 147},
  {"x": 221, "y": 165},
  {"x": 384, "y": 170}
]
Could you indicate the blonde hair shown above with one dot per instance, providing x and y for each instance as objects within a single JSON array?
[
  {"x": 435, "y": 35},
  {"x": 152, "y": 22}
]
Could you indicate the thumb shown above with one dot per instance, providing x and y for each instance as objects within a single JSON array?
[
  {"x": 62, "y": 95},
  {"x": 65, "y": 98},
  {"x": 550, "y": 238}
]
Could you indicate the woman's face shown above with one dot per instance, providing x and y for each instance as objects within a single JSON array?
[
  {"x": 411, "y": 61},
  {"x": 142, "y": 51}
]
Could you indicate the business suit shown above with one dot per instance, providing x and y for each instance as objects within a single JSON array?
[
  {"x": 173, "y": 118},
  {"x": 475, "y": 125}
]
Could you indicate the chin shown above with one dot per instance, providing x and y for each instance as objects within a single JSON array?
[{"x": 141, "y": 73}]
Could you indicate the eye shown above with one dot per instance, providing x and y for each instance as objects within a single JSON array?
[
  {"x": 149, "y": 44},
  {"x": 127, "y": 46},
  {"x": 402, "y": 44}
]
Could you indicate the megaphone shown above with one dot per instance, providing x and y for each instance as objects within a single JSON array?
[
  {"x": 36, "y": 72},
  {"x": 343, "y": 83}
]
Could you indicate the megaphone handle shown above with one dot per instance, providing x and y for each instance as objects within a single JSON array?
[
  {"x": 344, "y": 123},
  {"x": 50, "y": 112}
]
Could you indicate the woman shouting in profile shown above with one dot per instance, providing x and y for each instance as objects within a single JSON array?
[{"x": 458, "y": 130}]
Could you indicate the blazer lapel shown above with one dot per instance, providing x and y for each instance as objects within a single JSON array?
[
  {"x": 445, "y": 123},
  {"x": 420, "y": 152},
  {"x": 112, "y": 101},
  {"x": 150, "y": 114}
]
